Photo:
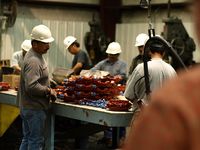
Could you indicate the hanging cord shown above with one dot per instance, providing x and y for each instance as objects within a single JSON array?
[
  {"x": 151, "y": 33},
  {"x": 167, "y": 47},
  {"x": 152, "y": 38}
]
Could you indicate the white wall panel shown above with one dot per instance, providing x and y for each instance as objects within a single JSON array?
[
  {"x": 125, "y": 35},
  {"x": 57, "y": 56},
  {"x": 135, "y": 21},
  {"x": 63, "y": 22}
]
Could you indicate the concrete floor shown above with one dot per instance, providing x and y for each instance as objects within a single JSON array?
[
  {"x": 9, "y": 142},
  {"x": 12, "y": 139},
  {"x": 93, "y": 144}
]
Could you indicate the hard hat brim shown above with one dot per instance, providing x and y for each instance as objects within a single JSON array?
[
  {"x": 111, "y": 52},
  {"x": 136, "y": 45},
  {"x": 69, "y": 44},
  {"x": 49, "y": 40},
  {"x": 26, "y": 45},
  {"x": 25, "y": 49}
]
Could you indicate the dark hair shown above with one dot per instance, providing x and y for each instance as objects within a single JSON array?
[
  {"x": 76, "y": 43},
  {"x": 157, "y": 47}
]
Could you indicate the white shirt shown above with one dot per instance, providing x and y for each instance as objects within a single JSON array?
[
  {"x": 17, "y": 59},
  {"x": 159, "y": 71}
]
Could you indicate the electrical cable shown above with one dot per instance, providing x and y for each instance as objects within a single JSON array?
[{"x": 167, "y": 46}]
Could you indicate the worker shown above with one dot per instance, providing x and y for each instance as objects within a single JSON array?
[
  {"x": 159, "y": 71},
  {"x": 171, "y": 121},
  {"x": 18, "y": 57},
  {"x": 34, "y": 91},
  {"x": 115, "y": 67},
  {"x": 139, "y": 43},
  {"x": 81, "y": 60},
  {"x": 112, "y": 63}
]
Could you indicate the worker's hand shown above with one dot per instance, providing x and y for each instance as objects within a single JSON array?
[
  {"x": 53, "y": 83},
  {"x": 17, "y": 71},
  {"x": 53, "y": 95},
  {"x": 118, "y": 78}
]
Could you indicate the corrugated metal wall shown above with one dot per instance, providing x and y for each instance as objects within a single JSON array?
[
  {"x": 57, "y": 56},
  {"x": 63, "y": 22},
  {"x": 126, "y": 34}
]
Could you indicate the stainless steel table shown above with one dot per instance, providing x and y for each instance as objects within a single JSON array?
[
  {"x": 80, "y": 112},
  {"x": 9, "y": 97}
]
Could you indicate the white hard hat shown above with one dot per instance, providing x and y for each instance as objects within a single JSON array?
[
  {"x": 41, "y": 33},
  {"x": 26, "y": 45},
  {"x": 68, "y": 41},
  {"x": 114, "y": 48},
  {"x": 141, "y": 39}
]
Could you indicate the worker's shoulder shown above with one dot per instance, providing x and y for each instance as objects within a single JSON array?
[
  {"x": 181, "y": 89},
  {"x": 17, "y": 53},
  {"x": 33, "y": 58},
  {"x": 122, "y": 62},
  {"x": 82, "y": 52}
]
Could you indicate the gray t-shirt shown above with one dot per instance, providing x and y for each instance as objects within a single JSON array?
[
  {"x": 34, "y": 82},
  {"x": 159, "y": 72},
  {"x": 117, "y": 68}
]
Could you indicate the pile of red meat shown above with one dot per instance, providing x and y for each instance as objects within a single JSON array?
[
  {"x": 118, "y": 105},
  {"x": 80, "y": 87},
  {"x": 4, "y": 86},
  {"x": 98, "y": 92}
]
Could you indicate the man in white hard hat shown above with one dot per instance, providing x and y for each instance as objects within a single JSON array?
[
  {"x": 81, "y": 59},
  {"x": 171, "y": 121},
  {"x": 18, "y": 57},
  {"x": 115, "y": 67},
  {"x": 139, "y": 43},
  {"x": 159, "y": 72},
  {"x": 112, "y": 63},
  {"x": 34, "y": 92}
]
